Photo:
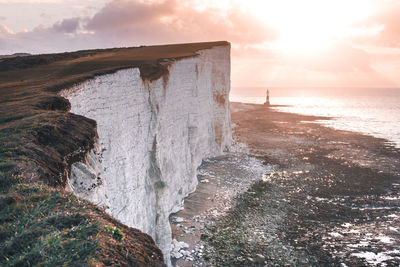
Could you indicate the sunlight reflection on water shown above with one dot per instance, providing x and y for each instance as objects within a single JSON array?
[{"x": 374, "y": 115}]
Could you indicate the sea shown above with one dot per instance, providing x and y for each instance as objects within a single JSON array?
[{"x": 371, "y": 111}]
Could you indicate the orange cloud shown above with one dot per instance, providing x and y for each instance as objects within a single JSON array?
[
  {"x": 386, "y": 18},
  {"x": 256, "y": 58},
  {"x": 168, "y": 21},
  {"x": 390, "y": 19},
  {"x": 133, "y": 22},
  {"x": 340, "y": 58}
]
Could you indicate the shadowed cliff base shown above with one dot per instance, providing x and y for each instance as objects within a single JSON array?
[
  {"x": 327, "y": 198},
  {"x": 40, "y": 139}
]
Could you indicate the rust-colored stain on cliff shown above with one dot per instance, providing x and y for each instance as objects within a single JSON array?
[
  {"x": 29, "y": 99},
  {"x": 40, "y": 138},
  {"x": 220, "y": 99},
  {"x": 218, "y": 134}
]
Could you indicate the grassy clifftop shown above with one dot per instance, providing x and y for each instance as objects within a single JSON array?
[
  {"x": 40, "y": 224},
  {"x": 47, "y": 227}
]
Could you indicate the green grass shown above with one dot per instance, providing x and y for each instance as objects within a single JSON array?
[
  {"x": 115, "y": 232},
  {"x": 45, "y": 226},
  {"x": 40, "y": 226}
]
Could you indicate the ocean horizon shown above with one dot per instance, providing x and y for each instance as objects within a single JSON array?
[{"x": 371, "y": 111}]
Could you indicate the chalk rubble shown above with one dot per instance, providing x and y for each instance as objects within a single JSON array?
[{"x": 153, "y": 135}]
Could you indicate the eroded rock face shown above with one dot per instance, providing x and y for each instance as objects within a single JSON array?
[{"x": 152, "y": 137}]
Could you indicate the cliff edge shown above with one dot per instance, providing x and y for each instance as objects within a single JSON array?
[{"x": 41, "y": 141}]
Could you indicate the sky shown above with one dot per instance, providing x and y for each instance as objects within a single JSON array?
[{"x": 275, "y": 43}]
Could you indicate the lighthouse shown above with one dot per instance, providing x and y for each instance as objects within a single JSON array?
[{"x": 267, "y": 99}]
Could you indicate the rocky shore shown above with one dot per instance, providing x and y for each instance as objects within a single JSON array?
[{"x": 292, "y": 193}]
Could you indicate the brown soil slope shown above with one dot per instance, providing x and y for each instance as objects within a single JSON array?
[{"x": 40, "y": 139}]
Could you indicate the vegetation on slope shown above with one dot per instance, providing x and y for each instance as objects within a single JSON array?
[
  {"x": 40, "y": 223},
  {"x": 42, "y": 226}
]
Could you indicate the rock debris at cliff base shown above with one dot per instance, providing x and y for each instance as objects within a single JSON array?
[
  {"x": 331, "y": 199},
  {"x": 40, "y": 139},
  {"x": 220, "y": 179},
  {"x": 152, "y": 136}
]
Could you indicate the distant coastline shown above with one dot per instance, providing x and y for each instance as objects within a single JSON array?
[{"x": 377, "y": 113}]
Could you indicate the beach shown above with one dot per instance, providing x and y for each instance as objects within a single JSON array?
[{"x": 292, "y": 192}]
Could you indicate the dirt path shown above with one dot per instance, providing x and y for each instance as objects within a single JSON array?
[{"x": 326, "y": 197}]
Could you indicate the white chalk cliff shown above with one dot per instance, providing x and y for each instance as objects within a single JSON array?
[{"x": 153, "y": 136}]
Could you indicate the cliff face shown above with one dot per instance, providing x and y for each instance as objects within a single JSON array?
[{"x": 152, "y": 136}]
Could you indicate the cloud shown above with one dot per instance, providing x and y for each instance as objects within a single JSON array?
[
  {"x": 124, "y": 14},
  {"x": 387, "y": 19},
  {"x": 63, "y": 36},
  {"x": 31, "y": 1},
  {"x": 130, "y": 23},
  {"x": 45, "y": 15},
  {"x": 390, "y": 35},
  {"x": 256, "y": 59},
  {"x": 169, "y": 21},
  {"x": 341, "y": 58},
  {"x": 67, "y": 25},
  {"x": 340, "y": 65},
  {"x": 4, "y": 31}
]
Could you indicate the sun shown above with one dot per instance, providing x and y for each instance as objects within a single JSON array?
[{"x": 307, "y": 26}]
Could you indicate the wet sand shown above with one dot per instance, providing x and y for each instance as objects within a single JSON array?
[{"x": 324, "y": 197}]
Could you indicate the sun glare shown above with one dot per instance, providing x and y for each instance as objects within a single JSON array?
[{"x": 310, "y": 25}]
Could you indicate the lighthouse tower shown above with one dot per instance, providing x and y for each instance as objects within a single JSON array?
[{"x": 267, "y": 99}]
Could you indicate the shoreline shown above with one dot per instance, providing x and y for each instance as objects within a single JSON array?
[
  {"x": 328, "y": 197},
  {"x": 342, "y": 121}
]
